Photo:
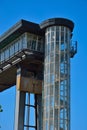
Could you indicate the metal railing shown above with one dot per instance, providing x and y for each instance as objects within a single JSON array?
[{"x": 73, "y": 49}]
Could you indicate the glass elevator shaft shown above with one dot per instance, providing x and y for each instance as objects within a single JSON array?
[{"x": 56, "y": 93}]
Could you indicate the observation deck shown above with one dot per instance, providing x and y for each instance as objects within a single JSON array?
[{"x": 22, "y": 45}]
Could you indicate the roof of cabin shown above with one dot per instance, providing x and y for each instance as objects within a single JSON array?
[{"x": 18, "y": 29}]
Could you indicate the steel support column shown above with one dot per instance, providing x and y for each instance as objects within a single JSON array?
[
  {"x": 19, "y": 110},
  {"x": 38, "y": 105}
]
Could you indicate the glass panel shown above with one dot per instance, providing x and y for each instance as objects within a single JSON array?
[
  {"x": 52, "y": 68},
  {"x": 51, "y": 101},
  {"x": 52, "y": 46},
  {"x": 46, "y": 125},
  {"x": 52, "y": 78},
  {"x": 62, "y": 47},
  {"x": 62, "y": 28},
  {"x": 52, "y": 28},
  {"x": 51, "y": 127},
  {"x": 48, "y": 79},
  {"x": 48, "y": 58},
  {"x": 39, "y": 46},
  {"x": 57, "y": 28},
  {"x": 29, "y": 44},
  {"x": 52, "y": 57},
  {"x": 16, "y": 46},
  {"x": 11, "y": 50},
  {"x": 56, "y": 95},
  {"x": 51, "y": 90},
  {"x": 52, "y": 36},
  {"x": 2, "y": 56},
  {"x": 57, "y": 36},
  {"x": 48, "y": 37},
  {"x": 51, "y": 124},
  {"x": 51, "y": 113},
  {"x": 56, "y": 119},
  {"x": 48, "y": 68},
  {"x": 24, "y": 42},
  {"x": 33, "y": 45},
  {"x": 7, "y": 53},
  {"x": 62, "y": 37},
  {"x": 66, "y": 37},
  {"x": 48, "y": 48},
  {"x": 20, "y": 44},
  {"x": 32, "y": 113},
  {"x": 57, "y": 47}
]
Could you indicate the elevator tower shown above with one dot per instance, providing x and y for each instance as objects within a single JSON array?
[
  {"x": 56, "y": 91},
  {"x": 36, "y": 58}
]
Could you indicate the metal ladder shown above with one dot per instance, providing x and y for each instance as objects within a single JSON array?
[{"x": 30, "y": 112}]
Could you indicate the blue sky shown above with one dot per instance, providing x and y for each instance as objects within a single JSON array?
[{"x": 37, "y": 11}]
